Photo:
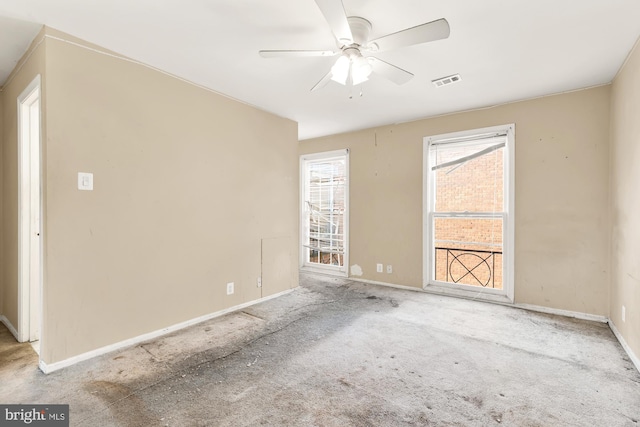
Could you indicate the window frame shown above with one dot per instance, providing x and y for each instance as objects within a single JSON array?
[
  {"x": 506, "y": 294},
  {"x": 341, "y": 271}
]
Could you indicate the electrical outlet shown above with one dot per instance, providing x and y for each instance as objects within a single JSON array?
[
  {"x": 230, "y": 288},
  {"x": 389, "y": 269},
  {"x": 624, "y": 313},
  {"x": 259, "y": 282},
  {"x": 379, "y": 268}
]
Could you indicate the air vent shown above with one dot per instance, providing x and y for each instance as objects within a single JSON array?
[{"x": 443, "y": 81}]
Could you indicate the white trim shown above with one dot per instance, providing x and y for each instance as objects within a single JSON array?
[
  {"x": 442, "y": 291},
  {"x": 508, "y": 292},
  {"x": 510, "y": 232},
  {"x": 626, "y": 60},
  {"x": 9, "y": 326},
  {"x": 427, "y": 238},
  {"x": 389, "y": 285},
  {"x": 329, "y": 270},
  {"x": 497, "y": 299},
  {"x": 564, "y": 313},
  {"x": 468, "y": 292},
  {"x": 325, "y": 154},
  {"x": 472, "y": 215},
  {"x": 323, "y": 269},
  {"x": 492, "y": 106},
  {"x": 48, "y": 368},
  {"x": 634, "y": 359},
  {"x": 21, "y": 64},
  {"x": 24, "y": 224}
]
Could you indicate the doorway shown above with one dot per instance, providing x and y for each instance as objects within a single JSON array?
[{"x": 29, "y": 215}]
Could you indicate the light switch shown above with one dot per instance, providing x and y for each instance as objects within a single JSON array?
[{"x": 85, "y": 181}]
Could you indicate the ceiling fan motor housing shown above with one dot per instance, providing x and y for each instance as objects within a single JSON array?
[{"x": 360, "y": 29}]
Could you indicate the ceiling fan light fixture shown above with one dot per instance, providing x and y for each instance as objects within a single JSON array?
[
  {"x": 361, "y": 69},
  {"x": 340, "y": 70},
  {"x": 357, "y": 79}
]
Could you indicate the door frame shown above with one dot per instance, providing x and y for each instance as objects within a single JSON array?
[{"x": 30, "y": 253}]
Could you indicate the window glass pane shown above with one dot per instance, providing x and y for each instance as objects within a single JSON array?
[
  {"x": 469, "y": 178},
  {"x": 325, "y": 207},
  {"x": 468, "y": 251}
]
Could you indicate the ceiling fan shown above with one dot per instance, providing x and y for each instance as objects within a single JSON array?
[{"x": 352, "y": 36}]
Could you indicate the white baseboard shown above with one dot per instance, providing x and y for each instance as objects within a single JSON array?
[
  {"x": 540, "y": 309},
  {"x": 438, "y": 290},
  {"x": 47, "y": 368},
  {"x": 484, "y": 297},
  {"x": 634, "y": 359},
  {"x": 9, "y": 326},
  {"x": 498, "y": 299},
  {"x": 565, "y": 313},
  {"x": 389, "y": 285}
]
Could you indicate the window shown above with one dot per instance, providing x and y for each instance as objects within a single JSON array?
[
  {"x": 468, "y": 212},
  {"x": 324, "y": 211}
]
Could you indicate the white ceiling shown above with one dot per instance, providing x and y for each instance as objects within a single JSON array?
[
  {"x": 504, "y": 50},
  {"x": 15, "y": 36}
]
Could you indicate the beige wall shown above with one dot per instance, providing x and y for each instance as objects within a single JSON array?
[
  {"x": 625, "y": 201},
  {"x": 1, "y": 199},
  {"x": 561, "y": 196},
  {"x": 32, "y": 64},
  {"x": 191, "y": 191}
]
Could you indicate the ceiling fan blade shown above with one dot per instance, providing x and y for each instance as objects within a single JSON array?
[
  {"x": 391, "y": 72},
  {"x": 435, "y": 30},
  {"x": 323, "y": 82},
  {"x": 295, "y": 53},
  {"x": 333, "y": 11}
]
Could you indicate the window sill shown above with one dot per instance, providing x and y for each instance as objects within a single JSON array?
[
  {"x": 328, "y": 271},
  {"x": 469, "y": 293}
]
